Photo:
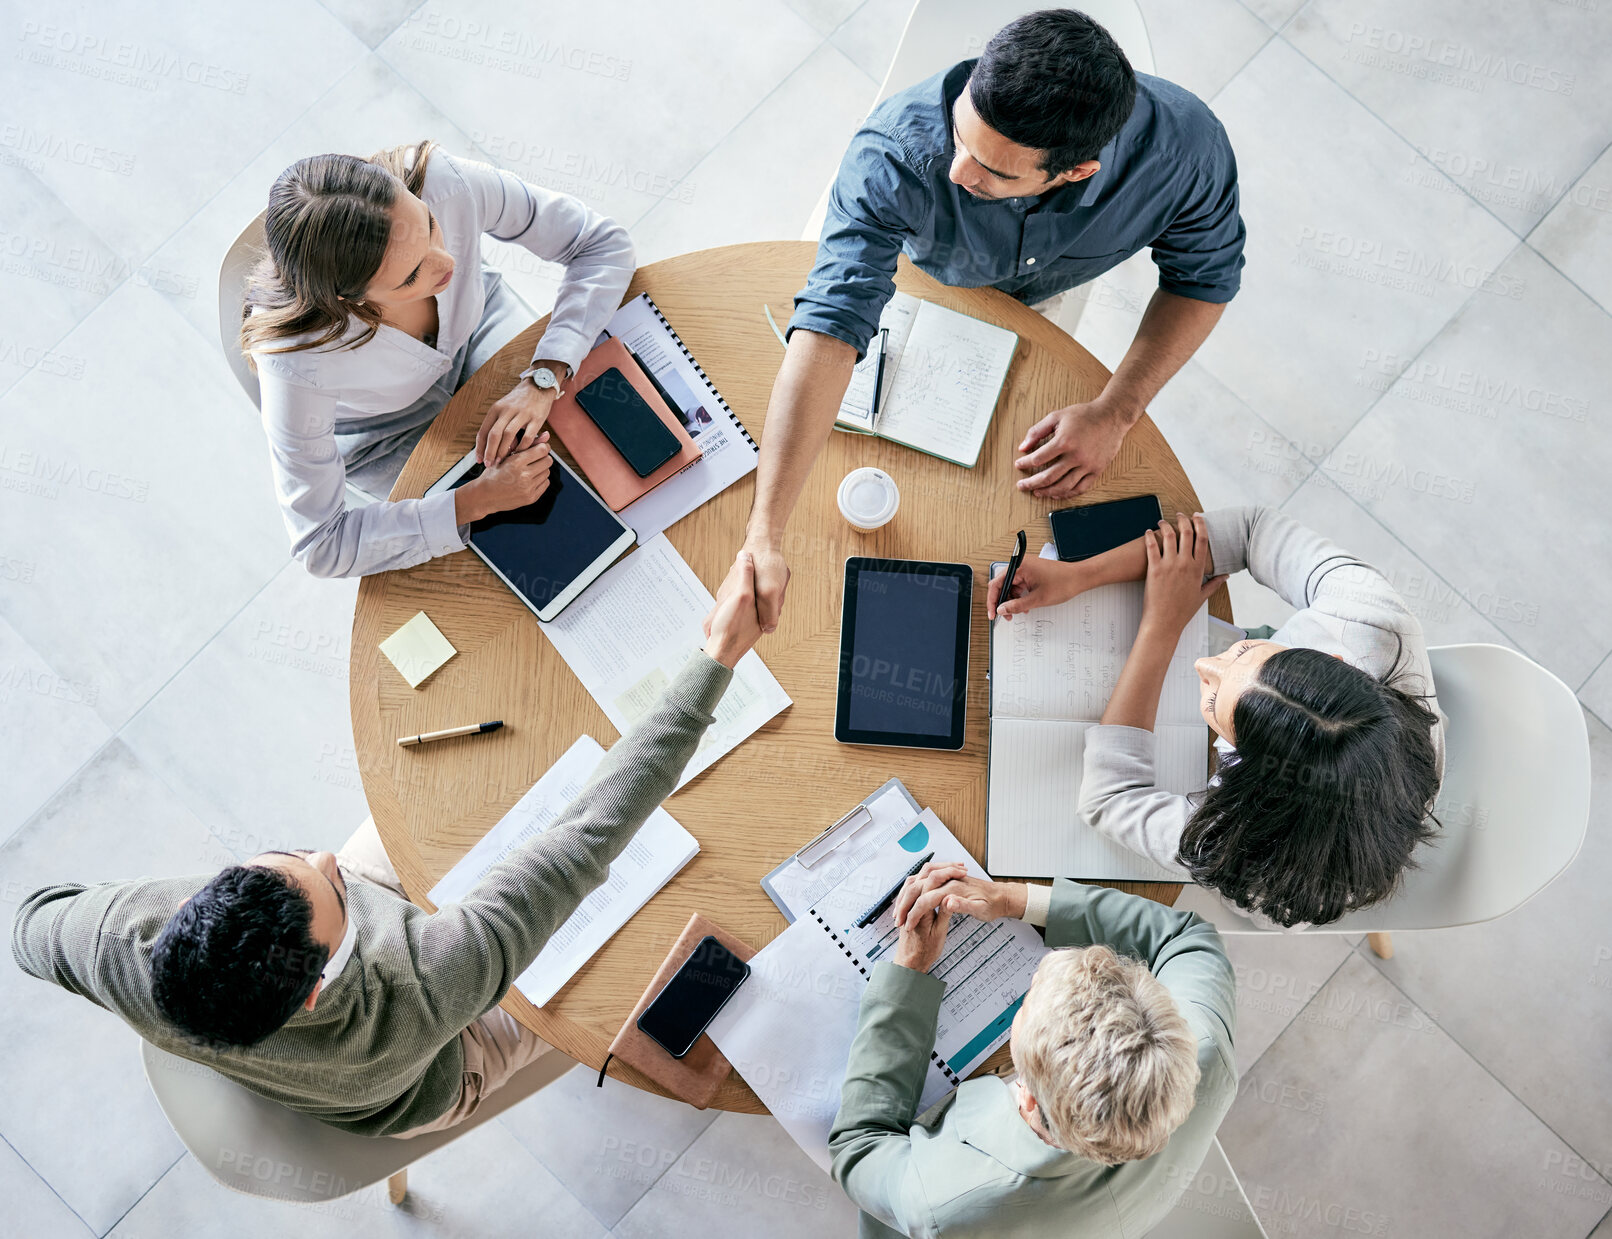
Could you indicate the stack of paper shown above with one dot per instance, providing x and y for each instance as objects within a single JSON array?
[
  {"x": 656, "y": 854},
  {"x": 627, "y": 637}
]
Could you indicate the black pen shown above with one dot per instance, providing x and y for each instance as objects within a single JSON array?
[
  {"x": 878, "y": 377},
  {"x": 1014, "y": 560},
  {"x": 872, "y": 914}
]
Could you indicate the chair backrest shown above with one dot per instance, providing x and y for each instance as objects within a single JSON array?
[
  {"x": 939, "y": 33},
  {"x": 1213, "y": 1206},
  {"x": 256, "y": 1146},
  {"x": 239, "y": 259},
  {"x": 1514, "y": 807}
]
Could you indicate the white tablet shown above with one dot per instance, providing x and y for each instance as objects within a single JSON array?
[{"x": 550, "y": 551}]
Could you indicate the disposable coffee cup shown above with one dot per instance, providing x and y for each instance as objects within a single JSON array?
[{"x": 868, "y": 498}]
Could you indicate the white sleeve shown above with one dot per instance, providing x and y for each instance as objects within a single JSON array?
[
  {"x": 1120, "y": 798},
  {"x": 596, "y": 252},
  {"x": 1037, "y": 903},
  {"x": 1309, "y": 570},
  {"x": 310, "y": 482}
]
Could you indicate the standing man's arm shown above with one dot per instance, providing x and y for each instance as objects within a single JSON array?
[
  {"x": 805, "y": 400},
  {"x": 1068, "y": 449},
  {"x": 877, "y": 200},
  {"x": 1200, "y": 259}
]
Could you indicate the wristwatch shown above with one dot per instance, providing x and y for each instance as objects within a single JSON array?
[{"x": 544, "y": 378}]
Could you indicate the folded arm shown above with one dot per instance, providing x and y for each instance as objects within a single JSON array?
[
  {"x": 327, "y": 537},
  {"x": 596, "y": 251}
]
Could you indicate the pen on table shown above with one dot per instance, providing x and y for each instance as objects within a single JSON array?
[
  {"x": 872, "y": 914},
  {"x": 469, "y": 729},
  {"x": 878, "y": 378},
  {"x": 1014, "y": 560}
]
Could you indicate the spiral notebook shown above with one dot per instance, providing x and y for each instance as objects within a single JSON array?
[
  {"x": 727, "y": 452},
  {"x": 788, "y": 1029}
]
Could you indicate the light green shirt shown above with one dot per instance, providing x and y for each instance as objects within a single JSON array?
[
  {"x": 979, "y": 1169},
  {"x": 380, "y": 1051}
]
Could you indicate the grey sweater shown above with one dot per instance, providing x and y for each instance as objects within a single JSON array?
[
  {"x": 1346, "y": 608},
  {"x": 380, "y": 1052}
]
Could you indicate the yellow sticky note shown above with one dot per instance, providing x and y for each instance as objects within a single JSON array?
[{"x": 417, "y": 649}]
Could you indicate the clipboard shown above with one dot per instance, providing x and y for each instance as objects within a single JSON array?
[{"x": 837, "y": 835}]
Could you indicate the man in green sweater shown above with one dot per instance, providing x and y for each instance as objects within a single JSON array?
[
  {"x": 1123, "y": 1055},
  {"x": 323, "y": 989}
]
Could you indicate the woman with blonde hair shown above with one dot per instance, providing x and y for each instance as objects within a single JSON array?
[{"x": 373, "y": 307}]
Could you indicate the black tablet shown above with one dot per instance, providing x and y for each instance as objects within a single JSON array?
[
  {"x": 904, "y": 653},
  {"x": 550, "y": 551}
]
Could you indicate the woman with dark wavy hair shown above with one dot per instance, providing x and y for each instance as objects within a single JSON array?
[
  {"x": 373, "y": 307},
  {"x": 1331, "y": 745}
]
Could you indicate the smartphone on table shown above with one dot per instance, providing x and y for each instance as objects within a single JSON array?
[
  {"x": 616, "y": 408},
  {"x": 691, "y": 999},
  {"x": 1094, "y": 528}
]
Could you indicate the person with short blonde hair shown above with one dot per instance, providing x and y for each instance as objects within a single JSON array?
[
  {"x": 1107, "y": 1055},
  {"x": 1122, "y": 1050}
]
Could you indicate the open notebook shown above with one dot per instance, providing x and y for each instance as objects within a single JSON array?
[
  {"x": 943, "y": 372},
  {"x": 1052, "y": 673},
  {"x": 656, "y": 854}
]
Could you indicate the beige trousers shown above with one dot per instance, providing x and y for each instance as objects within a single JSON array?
[{"x": 496, "y": 1046}]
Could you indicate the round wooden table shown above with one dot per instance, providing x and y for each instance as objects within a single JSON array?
[{"x": 784, "y": 784}]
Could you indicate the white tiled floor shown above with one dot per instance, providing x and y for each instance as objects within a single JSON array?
[{"x": 1417, "y": 364}]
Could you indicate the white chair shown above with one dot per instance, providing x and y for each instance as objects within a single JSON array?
[
  {"x": 1214, "y": 1205},
  {"x": 1514, "y": 806},
  {"x": 242, "y": 255},
  {"x": 939, "y": 33},
  {"x": 260, "y": 1148}
]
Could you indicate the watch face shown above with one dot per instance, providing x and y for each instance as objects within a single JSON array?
[{"x": 544, "y": 378}]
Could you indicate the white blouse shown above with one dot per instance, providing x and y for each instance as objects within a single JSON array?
[
  {"x": 1351, "y": 611},
  {"x": 305, "y": 393}
]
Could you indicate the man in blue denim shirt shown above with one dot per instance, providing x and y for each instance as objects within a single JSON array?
[{"x": 1033, "y": 169}]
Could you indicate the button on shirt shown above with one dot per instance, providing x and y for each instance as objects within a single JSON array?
[{"x": 1168, "y": 180}]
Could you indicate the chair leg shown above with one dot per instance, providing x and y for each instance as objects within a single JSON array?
[
  {"x": 398, "y": 1186},
  {"x": 1382, "y": 945}
]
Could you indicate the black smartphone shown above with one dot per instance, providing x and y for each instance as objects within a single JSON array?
[
  {"x": 691, "y": 999},
  {"x": 1094, "y": 528},
  {"x": 615, "y": 406}
]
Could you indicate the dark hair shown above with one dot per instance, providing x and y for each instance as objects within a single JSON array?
[
  {"x": 1329, "y": 792},
  {"x": 327, "y": 227},
  {"x": 1054, "y": 81},
  {"x": 239, "y": 958}
]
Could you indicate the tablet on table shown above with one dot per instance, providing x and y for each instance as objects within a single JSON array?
[{"x": 903, "y": 675}]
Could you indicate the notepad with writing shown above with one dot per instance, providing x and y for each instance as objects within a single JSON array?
[
  {"x": 656, "y": 854},
  {"x": 943, "y": 372},
  {"x": 1052, "y": 673}
]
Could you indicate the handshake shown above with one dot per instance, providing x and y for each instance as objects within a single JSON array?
[{"x": 732, "y": 628}]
